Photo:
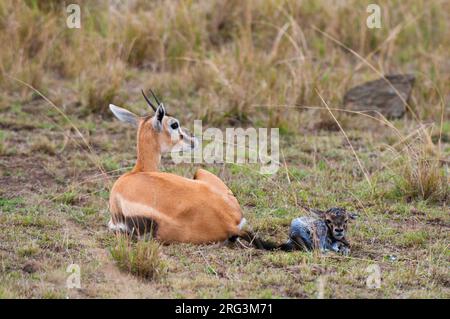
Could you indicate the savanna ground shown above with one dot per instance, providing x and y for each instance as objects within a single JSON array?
[{"x": 231, "y": 64}]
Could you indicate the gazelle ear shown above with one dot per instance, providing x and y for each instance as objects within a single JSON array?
[
  {"x": 160, "y": 113},
  {"x": 124, "y": 115},
  {"x": 318, "y": 212},
  {"x": 352, "y": 215}
]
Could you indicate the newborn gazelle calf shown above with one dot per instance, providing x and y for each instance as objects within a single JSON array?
[{"x": 325, "y": 232}]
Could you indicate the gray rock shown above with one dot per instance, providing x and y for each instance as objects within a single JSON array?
[{"x": 379, "y": 96}]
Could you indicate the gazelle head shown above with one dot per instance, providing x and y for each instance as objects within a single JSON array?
[
  {"x": 157, "y": 130},
  {"x": 337, "y": 220}
]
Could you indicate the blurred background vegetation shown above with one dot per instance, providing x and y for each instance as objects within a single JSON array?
[{"x": 225, "y": 62}]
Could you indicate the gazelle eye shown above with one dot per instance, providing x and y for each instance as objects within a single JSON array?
[{"x": 174, "y": 125}]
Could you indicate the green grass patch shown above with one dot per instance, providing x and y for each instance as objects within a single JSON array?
[
  {"x": 141, "y": 258},
  {"x": 10, "y": 204}
]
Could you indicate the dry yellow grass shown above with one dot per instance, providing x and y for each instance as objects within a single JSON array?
[{"x": 233, "y": 56}]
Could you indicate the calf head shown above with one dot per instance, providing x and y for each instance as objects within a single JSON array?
[{"x": 337, "y": 220}]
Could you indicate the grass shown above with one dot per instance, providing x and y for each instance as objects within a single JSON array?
[
  {"x": 141, "y": 258},
  {"x": 405, "y": 237},
  {"x": 43, "y": 145},
  {"x": 414, "y": 238},
  {"x": 422, "y": 175},
  {"x": 260, "y": 64},
  {"x": 239, "y": 58},
  {"x": 2, "y": 143}
]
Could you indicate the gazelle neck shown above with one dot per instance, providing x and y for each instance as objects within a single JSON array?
[{"x": 148, "y": 153}]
